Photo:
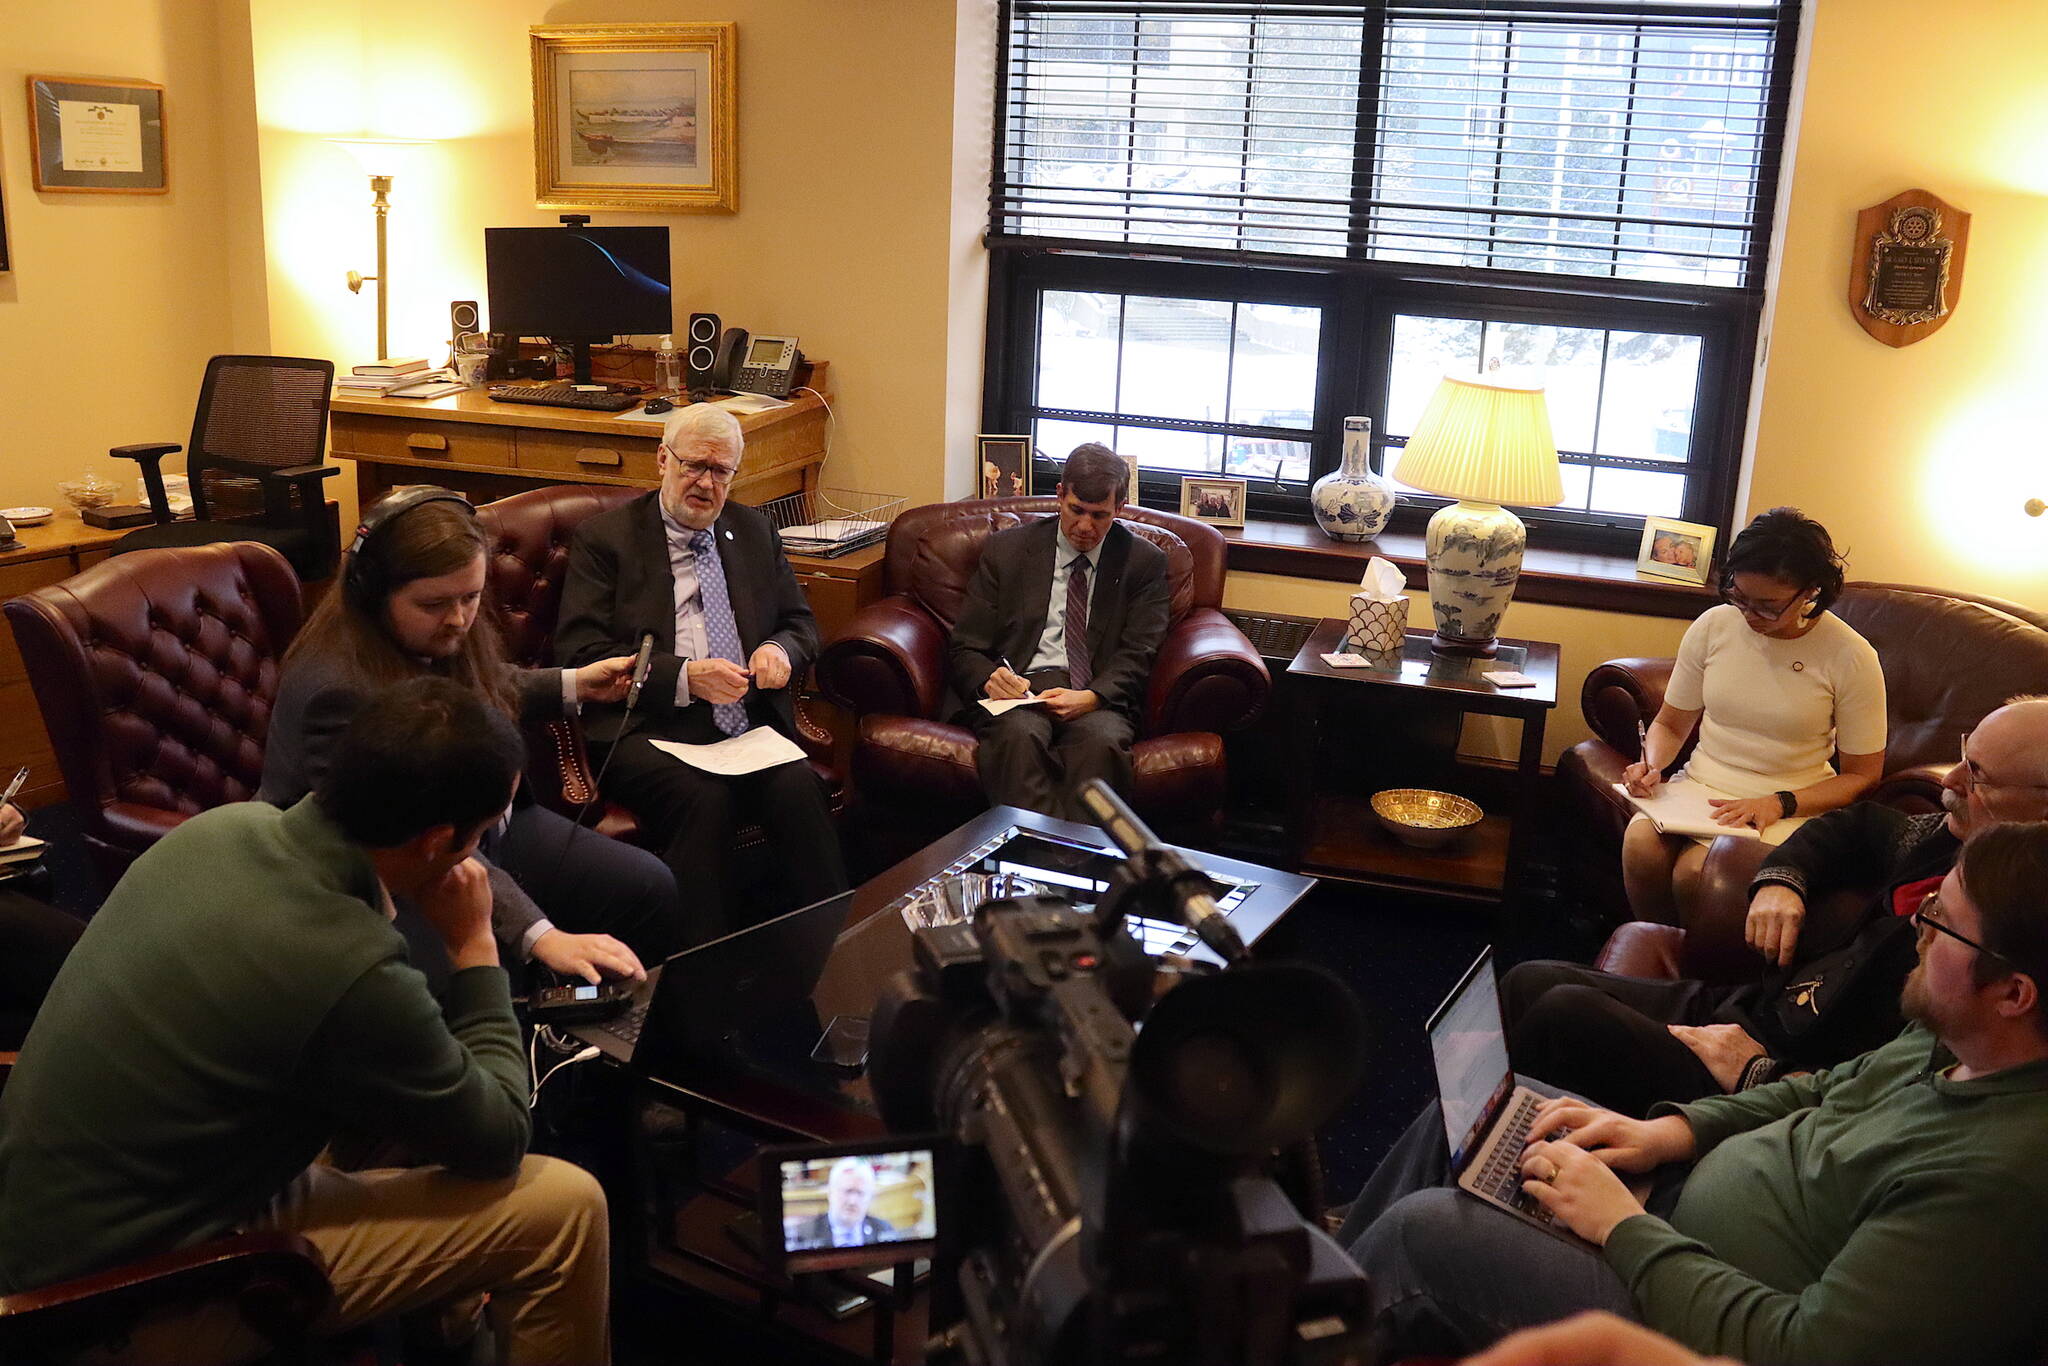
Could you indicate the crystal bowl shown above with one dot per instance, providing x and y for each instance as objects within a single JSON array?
[
  {"x": 88, "y": 491},
  {"x": 1424, "y": 819}
]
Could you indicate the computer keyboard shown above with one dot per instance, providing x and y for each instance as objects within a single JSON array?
[
  {"x": 1502, "y": 1178},
  {"x": 565, "y": 396},
  {"x": 629, "y": 1025}
]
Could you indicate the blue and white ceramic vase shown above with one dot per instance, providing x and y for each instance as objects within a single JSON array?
[{"x": 1353, "y": 504}]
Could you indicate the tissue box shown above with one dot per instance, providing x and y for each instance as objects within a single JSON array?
[{"x": 1376, "y": 626}]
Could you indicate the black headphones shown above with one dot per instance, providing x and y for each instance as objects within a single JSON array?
[{"x": 365, "y": 579}]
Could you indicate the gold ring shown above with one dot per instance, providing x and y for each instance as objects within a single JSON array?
[{"x": 1553, "y": 1173}]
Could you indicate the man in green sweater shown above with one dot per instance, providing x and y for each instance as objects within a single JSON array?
[
  {"x": 1891, "y": 1209},
  {"x": 242, "y": 998}
]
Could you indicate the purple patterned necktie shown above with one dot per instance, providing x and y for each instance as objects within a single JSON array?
[
  {"x": 720, "y": 631},
  {"x": 1079, "y": 669}
]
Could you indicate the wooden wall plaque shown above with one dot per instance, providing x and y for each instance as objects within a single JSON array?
[{"x": 1906, "y": 272}]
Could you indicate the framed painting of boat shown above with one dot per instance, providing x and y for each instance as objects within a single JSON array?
[{"x": 635, "y": 116}]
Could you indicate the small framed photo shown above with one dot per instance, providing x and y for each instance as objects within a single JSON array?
[
  {"x": 1005, "y": 464},
  {"x": 1672, "y": 549},
  {"x": 96, "y": 136},
  {"x": 1217, "y": 501}
]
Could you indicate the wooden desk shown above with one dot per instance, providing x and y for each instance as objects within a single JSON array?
[
  {"x": 49, "y": 554},
  {"x": 487, "y": 450}
]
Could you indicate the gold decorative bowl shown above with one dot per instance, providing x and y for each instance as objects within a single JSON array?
[{"x": 1423, "y": 819}]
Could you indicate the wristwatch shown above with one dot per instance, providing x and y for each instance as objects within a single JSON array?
[{"x": 1788, "y": 805}]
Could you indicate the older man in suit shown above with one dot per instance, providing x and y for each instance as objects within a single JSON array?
[
  {"x": 1081, "y": 604},
  {"x": 846, "y": 1222},
  {"x": 732, "y": 631}
]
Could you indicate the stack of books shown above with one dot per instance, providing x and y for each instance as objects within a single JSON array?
[{"x": 382, "y": 376}]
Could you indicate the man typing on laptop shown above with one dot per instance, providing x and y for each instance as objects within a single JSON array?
[{"x": 1828, "y": 1217}]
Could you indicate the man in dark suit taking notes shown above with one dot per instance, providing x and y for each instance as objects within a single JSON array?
[
  {"x": 1069, "y": 610},
  {"x": 732, "y": 634}
]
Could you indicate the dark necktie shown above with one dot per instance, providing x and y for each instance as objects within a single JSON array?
[
  {"x": 721, "y": 632},
  {"x": 1079, "y": 669}
]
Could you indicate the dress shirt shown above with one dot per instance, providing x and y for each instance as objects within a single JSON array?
[
  {"x": 846, "y": 1237},
  {"x": 691, "y": 642},
  {"x": 1052, "y": 641}
]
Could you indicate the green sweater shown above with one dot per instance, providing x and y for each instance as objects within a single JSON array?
[
  {"x": 239, "y": 999},
  {"x": 1875, "y": 1212}
]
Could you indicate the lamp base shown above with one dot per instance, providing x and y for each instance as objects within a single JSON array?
[{"x": 1475, "y": 560}]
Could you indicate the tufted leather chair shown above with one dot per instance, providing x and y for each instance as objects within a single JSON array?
[
  {"x": 1948, "y": 659},
  {"x": 155, "y": 672},
  {"x": 529, "y": 537},
  {"x": 888, "y": 666}
]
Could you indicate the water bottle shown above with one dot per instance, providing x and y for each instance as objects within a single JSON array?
[{"x": 668, "y": 366}]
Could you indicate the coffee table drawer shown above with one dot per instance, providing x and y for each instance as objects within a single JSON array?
[
  {"x": 384, "y": 438},
  {"x": 588, "y": 454}
]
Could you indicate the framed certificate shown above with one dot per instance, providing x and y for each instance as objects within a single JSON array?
[{"x": 96, "y": 135}]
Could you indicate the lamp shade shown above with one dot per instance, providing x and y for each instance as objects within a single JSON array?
[
  {"x": 382, "y": 156},
  {"x": 1485, "y": 443}
]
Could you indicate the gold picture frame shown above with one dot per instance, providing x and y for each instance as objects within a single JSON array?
[
  {"x": 1214, "y": 499},
  {"x": 1672, "y": 549},
  {"x": 96, "y": 135},
  {"x": 638, "y": 117}
]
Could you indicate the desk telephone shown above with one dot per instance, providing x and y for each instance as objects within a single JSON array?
[{"x": 749, "y": 364}]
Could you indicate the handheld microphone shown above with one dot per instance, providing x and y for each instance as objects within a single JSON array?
[
  {"x": 1151, "y": 859},
  {"x": 642, "y": 662}
]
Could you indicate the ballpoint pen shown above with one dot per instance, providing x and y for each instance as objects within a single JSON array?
[{"x": 20, "y": 777}]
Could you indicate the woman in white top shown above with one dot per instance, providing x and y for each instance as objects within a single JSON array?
[{"x": 1776, "y": 684}]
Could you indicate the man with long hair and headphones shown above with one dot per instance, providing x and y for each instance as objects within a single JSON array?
[{"x": 411, "y": 601}]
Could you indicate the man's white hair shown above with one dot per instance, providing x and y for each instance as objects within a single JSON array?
[
  {"x": 850, "y": 1163},
  {"x": 703, "y": 422}
]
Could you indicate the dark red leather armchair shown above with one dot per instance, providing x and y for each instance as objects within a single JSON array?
[
  {"x": 888, "y": 666},
  {"x": 528, "y": 535},
  {"x": 155, "y": 672},
  {"x": 1948, "y": 658}
]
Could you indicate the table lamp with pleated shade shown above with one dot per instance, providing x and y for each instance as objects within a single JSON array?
[{"x": 1483, "y": 443}]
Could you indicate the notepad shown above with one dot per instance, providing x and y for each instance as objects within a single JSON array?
[
  {"x": 997, "y": 706},
  {"x": 1679, "y": 807}
]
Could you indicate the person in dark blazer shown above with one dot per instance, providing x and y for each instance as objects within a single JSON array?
[
  {"x": 733, "y": 633},
  {"x": 849, "y": 1190},
  {"x": 410, "y": 601},
  {"x": 1014, "y": 639}
]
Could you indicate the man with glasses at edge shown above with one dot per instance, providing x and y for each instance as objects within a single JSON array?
[
  {"x": 732, "y": 634},
  {"x": 1630, "y": 1042},
  {"x": 1889, "y": 1209}
]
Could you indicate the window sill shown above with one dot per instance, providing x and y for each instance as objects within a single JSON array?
[{"x": 1599, "y": 583}]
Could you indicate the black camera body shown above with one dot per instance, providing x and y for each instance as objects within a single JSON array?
[{"x": 1121, "y": 1194}]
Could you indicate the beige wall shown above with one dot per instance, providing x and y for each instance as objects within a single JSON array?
[
  {"x": 1919, "y": 458},
  {"x": 115, "y": 301},
  {"x": 860, "y": 197}
]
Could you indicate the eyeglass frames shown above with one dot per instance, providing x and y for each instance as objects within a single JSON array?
[
  {"x": 1927, "y": 916},
  {"x": 693, "y": 470},
  {"x": 1973, "y": 773},
  {"x": 1762, "y": 611}
]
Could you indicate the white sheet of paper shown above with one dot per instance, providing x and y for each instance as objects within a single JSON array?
[
  {"x": 100, "y": 137},
  {"x": 750, "y": 752},
  {"x": 1679, "y": 807},
  {"x": 1346, "y": 659},
  {"x": 997, "y": 708}
]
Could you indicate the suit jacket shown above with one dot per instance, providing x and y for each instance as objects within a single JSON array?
[
  {"x": 619, "y": 587},
  {"x": 316, "y": 699},
  {"x": 1007, "y": 600},
  {"x": 817, "y": 1231}
]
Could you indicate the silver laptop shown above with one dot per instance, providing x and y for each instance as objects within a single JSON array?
[{"x": 1486, "y": 1115}]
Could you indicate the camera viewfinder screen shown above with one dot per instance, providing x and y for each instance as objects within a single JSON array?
[{"x": 833, "y": 1207}]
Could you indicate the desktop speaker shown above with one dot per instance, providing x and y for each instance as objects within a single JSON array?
[
  {"x": 702, "y": 357},
  {"x": 463, "y": 318}
]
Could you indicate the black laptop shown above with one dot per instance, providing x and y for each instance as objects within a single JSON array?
[{"x": 712, "y": 1002}]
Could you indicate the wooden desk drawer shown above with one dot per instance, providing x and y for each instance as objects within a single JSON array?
[
  {"x": 833, "y": 600},
  {"x": 588, "y": 453},
  {"x": 16, "y": 579},
  {"x": 387, "y": 438}
]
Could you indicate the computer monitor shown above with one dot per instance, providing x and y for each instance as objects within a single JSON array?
[{"x": 578, "y": 284}]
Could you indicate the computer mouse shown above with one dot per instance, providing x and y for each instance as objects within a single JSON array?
[{"x": 659, "y": 405}]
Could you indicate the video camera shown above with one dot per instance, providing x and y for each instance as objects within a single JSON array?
[{"x": 1109, "y": 1192}]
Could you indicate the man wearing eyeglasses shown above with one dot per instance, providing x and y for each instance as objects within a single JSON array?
[
  {"x": 732, "y": 633},
  {"x": 1630, "y": 1042},
  {"x": 1890, "y": 1209}
]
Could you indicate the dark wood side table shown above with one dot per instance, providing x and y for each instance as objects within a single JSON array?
[{"x": 1336, "y": 833}]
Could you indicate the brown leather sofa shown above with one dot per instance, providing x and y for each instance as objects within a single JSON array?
[
  {"x": 528, "y": 544},
  {"x": 913, "y": 771},
  {"x": 156, "y": 672},
  {"x": 1948, "y": 659}
]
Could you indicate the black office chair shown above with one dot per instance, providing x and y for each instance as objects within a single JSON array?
[{"x": 258, "y": 439}]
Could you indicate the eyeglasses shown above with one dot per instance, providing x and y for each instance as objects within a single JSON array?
[
  {"x": 1973, "y": 773},
  {"x": 1928, "y": 917},
  {"x": 693, "y": 470},
  {"x": 1762, "y": 611}
]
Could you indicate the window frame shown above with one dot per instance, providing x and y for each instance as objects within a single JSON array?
[{"x": 1360, "y": 298}]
